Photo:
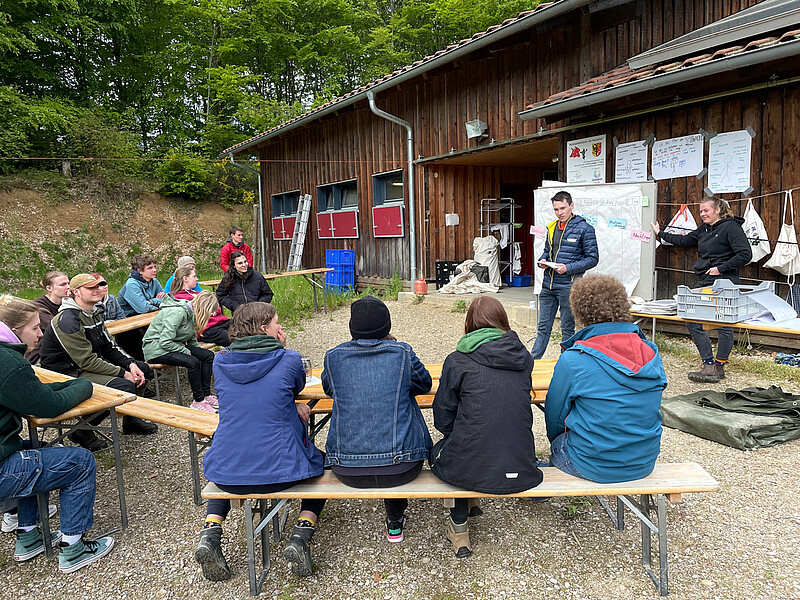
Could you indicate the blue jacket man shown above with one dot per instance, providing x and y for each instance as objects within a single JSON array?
[
  {"x": 142, "y": 293},
  {"x": 570, "y": 250}
]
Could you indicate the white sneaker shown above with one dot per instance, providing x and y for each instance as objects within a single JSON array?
[{"x": 11, "y": 522}]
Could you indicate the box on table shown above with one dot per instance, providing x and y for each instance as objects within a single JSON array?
[{"x": 722, "y": 302}]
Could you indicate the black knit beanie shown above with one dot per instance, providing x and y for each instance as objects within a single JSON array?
[{"x": 369, "y": 319}]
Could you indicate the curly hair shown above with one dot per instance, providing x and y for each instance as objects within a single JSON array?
[
  {"x": 599, "y": 299},
  {"x": 205, "y": 306}
]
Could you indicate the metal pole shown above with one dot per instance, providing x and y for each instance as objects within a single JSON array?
[
  {"x": 412, "y": 197},
  {"x": 260, "y": 210}
]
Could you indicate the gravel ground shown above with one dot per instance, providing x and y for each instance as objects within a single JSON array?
[{"x": 739, "y": 543}]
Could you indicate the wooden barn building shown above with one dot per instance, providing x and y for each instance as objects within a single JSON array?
[{"x": 491, "y": 117}]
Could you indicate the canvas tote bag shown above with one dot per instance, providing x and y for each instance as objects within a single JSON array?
[
  {"x": 756, "y": 232},
  {"x": 786, "y": 258},
  {"x": 681, "y": 224}
]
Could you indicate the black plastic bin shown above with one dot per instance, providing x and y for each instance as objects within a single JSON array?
[{"x": 445, "y": 268}]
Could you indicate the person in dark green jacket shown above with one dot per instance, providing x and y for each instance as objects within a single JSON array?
[{"x": 26, "y": 472}]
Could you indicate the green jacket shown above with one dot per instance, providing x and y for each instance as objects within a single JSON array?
[
  {"x": 172, "y": 330},
  {"x": 21, "y": 393}
]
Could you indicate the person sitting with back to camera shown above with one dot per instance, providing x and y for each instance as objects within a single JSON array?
[
  {"x": 257, "y": 380},
  {"x": 378, "y": 436},
  {"x": 242, "y": 284},
  {"x": 483, "y": 409},
  {"x": 171, "y": 339},
  {"x": 603, "y": 405}
]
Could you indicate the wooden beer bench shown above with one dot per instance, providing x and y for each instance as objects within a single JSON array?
[{"x": 666, "y": 482}]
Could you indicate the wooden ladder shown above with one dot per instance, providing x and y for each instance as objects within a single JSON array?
[{"x": 299, "y": 237}]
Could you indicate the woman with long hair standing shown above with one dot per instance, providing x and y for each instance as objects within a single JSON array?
[{"x": 722, "y": 249}]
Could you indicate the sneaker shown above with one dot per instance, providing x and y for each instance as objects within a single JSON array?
[
  {"x": 208, "y": 555},
  {"x": 81, "y": 553},
  {"x": 202, "y": 405},
  {"x": 30, "y": 543},
  {"x": 212, "y": 401},
  {"x": 394, "y": 530},
  {"x": 298, "y": 550},
  {"x": 11, "y": 522}
]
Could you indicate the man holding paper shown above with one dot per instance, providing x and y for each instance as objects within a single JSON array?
[{"x": 570, "y": 249}]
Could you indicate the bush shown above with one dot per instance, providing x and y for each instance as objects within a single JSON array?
[{"x": 185, "y": 175}]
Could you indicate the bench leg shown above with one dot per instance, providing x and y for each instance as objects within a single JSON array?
[
  {"x": 260, "y": 530},
  {"x": 194, "y": 461},
  {"x": 158, "y": 389},
  {"x": 648, "y": 528},
  {"x": 178, "y": 394}
]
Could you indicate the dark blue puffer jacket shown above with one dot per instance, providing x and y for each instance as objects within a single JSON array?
[{"x": 577, "y": 250}]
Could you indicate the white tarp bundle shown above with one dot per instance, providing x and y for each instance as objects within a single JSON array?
[
  {"x": 464, "y": 281},
  {"x": 485, "y": 249}
]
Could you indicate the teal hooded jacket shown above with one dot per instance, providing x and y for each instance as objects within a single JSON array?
[{"x": 606, "y": 395}]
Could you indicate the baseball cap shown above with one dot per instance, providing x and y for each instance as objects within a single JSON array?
[{"x": 83, "y": 280}]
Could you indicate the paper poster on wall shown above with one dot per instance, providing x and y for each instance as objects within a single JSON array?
[
  {"x": 586, "y": 160},
  {"x": 617, "y": 210},
  {"x": 631, "y": 162},
  {"x": 729, "y": 162},
  {"x": 677, "y": 157}
]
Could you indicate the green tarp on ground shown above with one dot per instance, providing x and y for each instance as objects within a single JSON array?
[{"x": 749, "y": 418}]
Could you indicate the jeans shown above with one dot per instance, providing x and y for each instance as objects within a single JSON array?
[
  {"x": 703, "y": 343},
  {"x": 549, "y": 301},
  {"x": 70, "y": 470},
  {"x": 559, "y": 457},
  {"x": 198, "y": 363}
]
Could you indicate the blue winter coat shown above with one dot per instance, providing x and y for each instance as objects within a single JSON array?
[
  {"x": 606, "y": 394},
  {"x": 577, "y": 250},
  {"x": 260, "y": 439},
  {"x": 138, "y": 296}
]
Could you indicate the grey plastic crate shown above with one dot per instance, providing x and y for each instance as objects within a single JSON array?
[{"x": 722, "y": 302}]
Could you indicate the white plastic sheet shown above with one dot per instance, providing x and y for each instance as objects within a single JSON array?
[{"x": 485, "y": 249}]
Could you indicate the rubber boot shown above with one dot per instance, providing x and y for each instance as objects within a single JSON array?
[
  {"x": 459, "y": 537},
  {"x": 708, "y": 374},
  {"x": 209, "y": 555},
  {"x": 298, "y": 550}
]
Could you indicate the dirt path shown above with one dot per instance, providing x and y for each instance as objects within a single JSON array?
[{"x": 737, "y": 544}]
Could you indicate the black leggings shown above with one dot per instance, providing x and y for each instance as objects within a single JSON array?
[
  {"x": 460, "y": 511},
  {"x": 223, "y": 507},
  {"x": 394, "y": 507},
  {"x": 198, "y": 364}
]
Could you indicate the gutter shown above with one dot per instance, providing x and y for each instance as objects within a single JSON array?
[
  {"x": 558, "y": 8},
  {"x": 746, "y": 59},
  {"x": 412, "y": 196},
  {"x": 260, "y": 210}
]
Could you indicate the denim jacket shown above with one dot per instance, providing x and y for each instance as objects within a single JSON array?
[{"x": 376, "y": 420}]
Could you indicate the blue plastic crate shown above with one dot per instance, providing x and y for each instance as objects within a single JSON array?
[
  {"x": 518, "y": 281},
  {"x": 334, "y": 258},
  {"x": 341, "y": 277},
  {"x": 339, "y": 289}
]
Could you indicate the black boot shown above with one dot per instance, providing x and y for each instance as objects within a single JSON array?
[
  {"x": 298, "y": 550},
  {"x": 88, "y": 439},
  {"x": 135, "y": 425},
  {"x": 209, "y": 555}
]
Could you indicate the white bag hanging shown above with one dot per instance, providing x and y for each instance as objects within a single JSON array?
[
  {"x": 786, "y": 258},
  {"x": 682, "y": 223},
  {"x": 756, "y": 233}
]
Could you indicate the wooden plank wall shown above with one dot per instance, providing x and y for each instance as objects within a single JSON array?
[
  {"x": 775, "y": 166},
  {"x": 492, "y": 84}
]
